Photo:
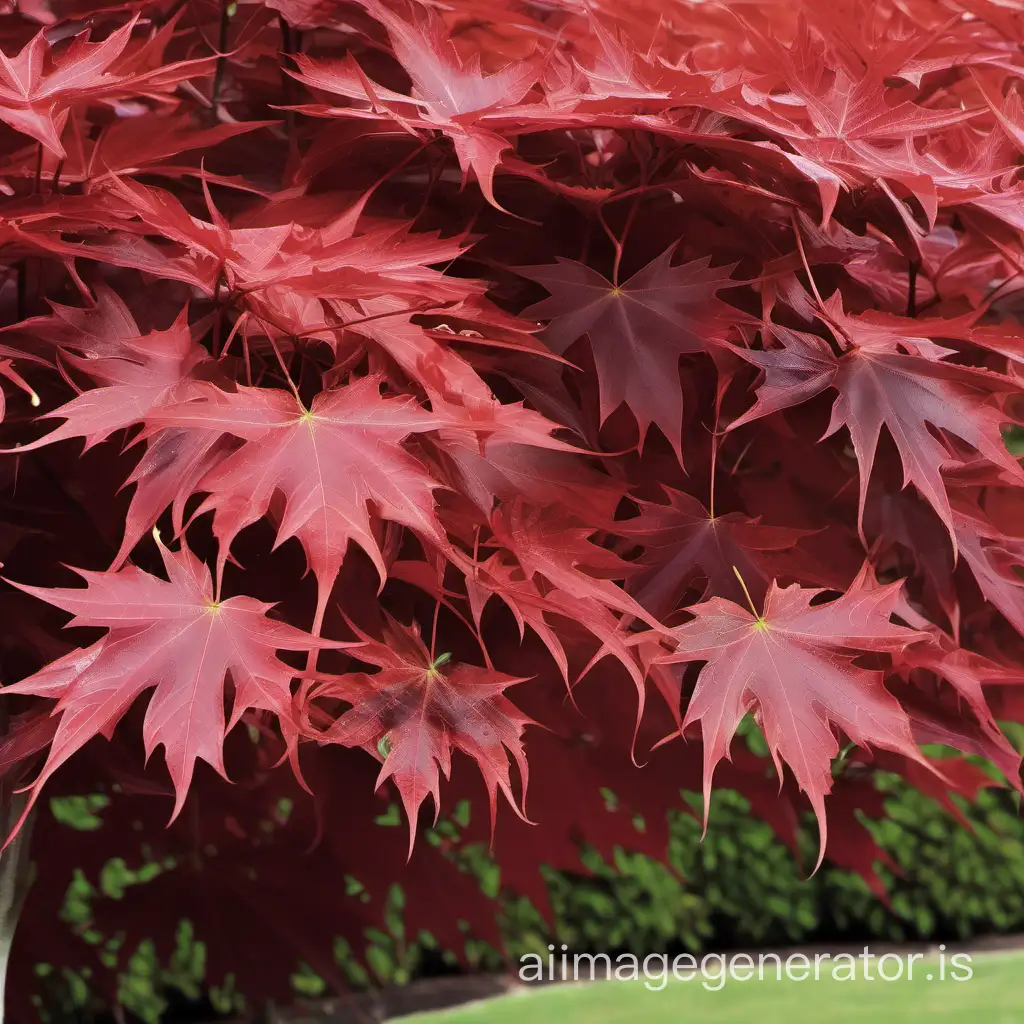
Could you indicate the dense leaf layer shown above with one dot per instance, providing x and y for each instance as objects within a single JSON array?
[{"x": 560, "y": 337}]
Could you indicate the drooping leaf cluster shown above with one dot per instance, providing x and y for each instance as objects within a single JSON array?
[{"x": 548, "y": 383}]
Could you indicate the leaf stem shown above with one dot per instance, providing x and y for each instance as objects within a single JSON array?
[
  {"x": 433, "y": 628},
  {"x": 803, "y": 258},
  {"x": 288, "y": 47},
  {"x": 750, "y": 600},
  {"x": 323, "y": 595},
  {"x": 714, "y": 457},
  {"x": 281, "y": 362},
  {"x": 630, "y": 217}
]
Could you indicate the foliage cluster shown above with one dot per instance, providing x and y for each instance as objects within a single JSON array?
[{"x": 435, "y": 398}]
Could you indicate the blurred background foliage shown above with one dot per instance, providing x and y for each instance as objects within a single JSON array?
[{"x": 740, "y": 887}]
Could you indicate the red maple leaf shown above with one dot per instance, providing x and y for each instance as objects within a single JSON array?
[
  {"x": 330, "y": 461},
  {"x": 35, "y": 99},
  {"x": 173, "y": 636},
  {"x": 891, "y": 379},
  {"x": 794, "y": 666},
  {"x": 448, "y": 94},
  {"x": 637, "y": 330},
  {"x": 552, "y": 546},
  {"x": 834, "y": 106},
  {"x": 138, "y": 372},
  {"x": 682, "y": 542},
  {"x": 417, "y": 709},
  {"x": 995, "y": 559}
]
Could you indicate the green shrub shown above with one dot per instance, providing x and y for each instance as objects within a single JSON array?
[
  {"x": 743, "y": 887},
  {"x": 740, "y": 887}
]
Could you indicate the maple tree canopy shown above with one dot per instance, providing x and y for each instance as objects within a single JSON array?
[{"x": 498, "y": 402}]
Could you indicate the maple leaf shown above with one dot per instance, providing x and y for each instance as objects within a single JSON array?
[
  {"x": 177, "y": 638},
  {"x": 330, "y": 461},
  {"x": 967, "y": 673},
  {"x": 141, "y": 373},
  {"x": 138, "y": 372},
  {"x": 1008, "y": 112},
  {"x": 521, "y": 596},
  {"x": 37, "y": 101},
  {"x": 424, "y": 359},
  {"x": 841, "y": 100},
  {"x": 538, "y": 605},
  {"x": 794, "y": 666},
  {"x": 993, "y": 557},
  {"x": 894, "y": 380},
  {"x": 448, "y": 86},
  {"x": 273, "y": 262},
  {"x": 448, "y": 94},
  {"x": 903, "y": 520},
  {"x": 683, "y": 542},
  {"x": 417, "y": 709},
  {"x": 552, "y": 546},
  {"x": 37, "y": 104},
  {"x": 539, "y": 476},
  {"x": 637, "y": 330}
]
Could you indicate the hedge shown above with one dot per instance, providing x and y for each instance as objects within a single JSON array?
[{"x": 741, "y": 887}]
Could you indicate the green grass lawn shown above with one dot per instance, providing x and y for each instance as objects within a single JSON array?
[{"x": 994, "y": 995}]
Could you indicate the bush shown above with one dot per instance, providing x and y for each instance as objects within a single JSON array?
[
  {"x": 742, "y": 887},
  {"x": 739, "y": 888}
]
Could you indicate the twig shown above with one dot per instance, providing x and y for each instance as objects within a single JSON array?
[
  {"x": 912, "y": 288},
  {"x": 222, "y": 57},
  {"x": 15, "y": 879}
]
